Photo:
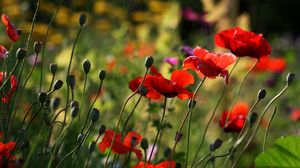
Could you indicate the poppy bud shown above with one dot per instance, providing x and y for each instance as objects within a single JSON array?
[
  {"x": 74, "y": 112},
  {"x": 253, "y": 118},
  {"x": 58, "y": 84},
  {"x": 191, "y": 104},
  {"x": 133, "y": 141},
  {"x": 167, "y": 152},
  {"x": 71, "y": 81},
  {"x": 143, "y": 90},
  {"x": 37, "y": 47},
  {"x": 74, "y": 103},
  {"x": 55, "y": 103},
  {"x": 80, "y": 138},
  {"x": 21, "y": 53},
  {"x": 144, "y": 144},
  {"x": 53, "y": 68},
  {"x": 19, "y": 31},
  {"x": 178, "y": 136},
  {"x": 261, "y": 94},
  {"x": 95, "y": 115},
  {"x": 102, "y": 74},
  {"x": 290, "y": 78},
  {"x": 86, "y": 65},
  {"x": 42, "y": 97},
  {"x": 149, "y": 61},
  {"x": 82, "y": 19},
  {"x": 102, "y": 129},
  {"x": 216, "y": 145},
  {"x": 92, "y": 146}
]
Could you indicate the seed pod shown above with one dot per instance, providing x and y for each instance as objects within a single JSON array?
[
  {"x": 42, "y": 97},
  {"x": 133, "y": 141},
  {"x": 55, "y": 103},
  {"x": 86, "y": 65},
  {"x": 75, "y": 103},
  {"x": 58, "y": 84},
  {"x": 149, "y": 61},
  {"x": 102, "y": 129},
  {"x": 178, "y": 136},
  {"x": 253, "y": 118},
  {"x": 261, "y": 94},
  {"x": 216, "y": 145},
  {"x": 144, "y": 144},
  {"x": 37, "y": 47},
  {"x": 53, "y": 68},
  {"x": 102, "y": 74},
  {"x": 92, "y": 146},
  {"x": 21, "y": 53},
  {"x": 74, "y": 112},
  {"x": 95, "y": 115},
  {"x": 82, "y": 19},
  {"x": 290, "y": 78},
  {"x": 71, "y": 81}
]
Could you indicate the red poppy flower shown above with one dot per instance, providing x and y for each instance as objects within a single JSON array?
[
  {"x": 295, "y": 114},
  {"x": 209, "y": 64},
  {"x": 236, "y": 118},
  {"x": 5, "y": 150},
  {"x": 128, "y": 145},
  {"x": 11, "y": 31},
  {"x": 267, "y": 64},
  {"x": 3, "y": 52},
  {"x": 157, "y": 85},
  {"x": 164, "y": 164},
  {"x": 243, "y": 43},
  {"x": 9, "y": 91}
]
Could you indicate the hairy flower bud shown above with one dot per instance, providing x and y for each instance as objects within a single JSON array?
[
  {"x": 92, "y": 146},
  {"x": 216, "y": 145},
  {"x": 37, "y": 47},
  {"x": 95, "y": 115},
  {"x": 71, "y": 81},
  {"x": 74, "y": 112},
  {"x": 102, "y": 129},
  {"x": 75, "y": 103},
  {"x": 261, "y": 94},
  {"x": 86, "y": 65},
  {"x": 290, "y": 78},
  {"x": 58, "y": 84},
  {"x": 178, "y": 136},
  {"x": 21, "y": 53},
  {"x": 53, "y": 68},
  {"x": 55, "y": 103},
  {"x": 82, "y": 19},
  {"x": 253, "y": 118},
  {"x": 144, "y": 144},
  {"x": 42, "y": 97},
  {"x": 149, "y": 61},
  {"x": 102, "y": 74}
]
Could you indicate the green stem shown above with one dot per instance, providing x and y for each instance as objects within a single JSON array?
[{"x": 267, "y": 129}]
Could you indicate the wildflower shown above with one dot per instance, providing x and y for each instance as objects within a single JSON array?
[
  {"x": 11, "y": 31},
  {"x": 187, "y": 50},
  {"x": 236, "y": 118},
  {"x": 10, "y": 90},
  {"x": 295, "y": 114},
  {"x": 209, "y": 64},
  {"x": 157, "y": 85},
  {"x": 163, "y": 164},
  {"x": 128, "y": 145},
  {"x": 5, "y": 151},
  {"x": 171, "y": 60},
  {"x": 243, "y": 43},
  {"x": 3, "y": 52},
  {"x": 267, "y": 64}
]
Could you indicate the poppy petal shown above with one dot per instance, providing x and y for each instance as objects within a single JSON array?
[
  {"x": 182, "y": 78},
  {"x": 129, "y": 136}
]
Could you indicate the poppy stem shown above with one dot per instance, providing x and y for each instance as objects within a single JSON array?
[
  {"x": 10, "y": 74},
  {"x": 45, "y": 41},
  {"x": 214, "y": 157},
  {"x": 82, "y": 95},
  {"x": 66, "y": 156},
  {"x": 259, "y": 121},
  {"x": 203, "y": 158},
  {"x": 121, "y": 114},
  {"x": 189, "y": 112},
  {"x": 267, "y": 129},
  {"x": 159, "y": 129}
]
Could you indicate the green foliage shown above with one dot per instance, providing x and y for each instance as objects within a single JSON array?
[{"x": 285, "y": 153}]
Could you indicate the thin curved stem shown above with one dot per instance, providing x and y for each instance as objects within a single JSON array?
[
  {"x": 203, "y": 158},
  {"x": 9, "y": 76},
  {"x": 267, "y": 129},
  {"x": 82, "y": 95},
  {"x": 65, "y": 157}
]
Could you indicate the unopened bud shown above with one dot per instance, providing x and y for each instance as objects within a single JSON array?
[
  {"x": 143, "y": 90},
  {"x": 290, "y": 78},
  {"x": 191, "y": 104},
  {"x": 86, "y": 65},
  {"x": 253, "y": 118},
  {"x": 75, "y": 103},
  {"x": 133, "y": 141},
  {"x": 178, "y": 136},
  {"x": 149, "y": 61},
  {"x": 80, "y": 138},
  {"x": 216, "y": 145},
  {"x": 102, "y": 129},
  {"x": 92, "y": 146},
  {"x": 42, "y": 97},
  {"x": 102, "y": 74},
  {"x": 71, "y": 81},
  {"x": 53, "y": 68},
  {"x": 21, "y": 53},
  {"x": 74, "y": 112},
  {"x": 144, "y": 144},
  {"x": 261, "y": 94},
  {"x": 58, "y": 84},
  {"x": 82, "y": 19},
  {"x": 95, "y": 115},
  {"x": 55, "y": 103},
  {"x": 37, "y": 47}
]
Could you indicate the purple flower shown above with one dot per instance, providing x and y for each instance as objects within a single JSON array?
[
  {"x": 189, "y": 14},
  {"x": 187, "y": 50},
  {"x": 171, "y": 60}
]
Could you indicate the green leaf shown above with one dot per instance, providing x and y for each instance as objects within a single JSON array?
[{"x": 285, "y": 153}]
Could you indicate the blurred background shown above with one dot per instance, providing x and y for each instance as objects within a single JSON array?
[{"x": 119, "y": 34}]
